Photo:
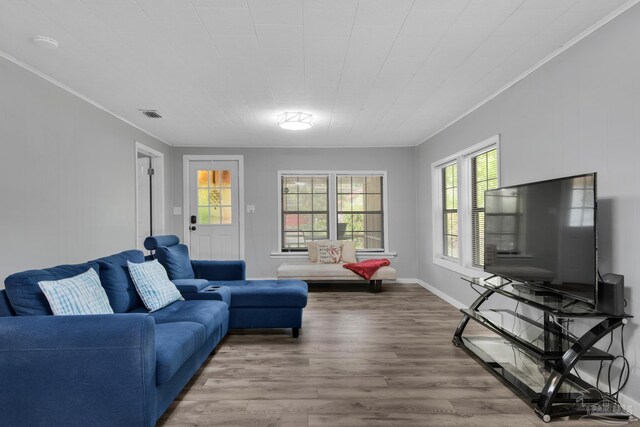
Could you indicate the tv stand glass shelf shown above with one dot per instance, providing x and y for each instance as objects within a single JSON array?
[{"x": 532, "y": 349}]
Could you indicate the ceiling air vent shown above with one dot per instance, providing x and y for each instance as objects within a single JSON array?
[{"x": 152, "y": 114}]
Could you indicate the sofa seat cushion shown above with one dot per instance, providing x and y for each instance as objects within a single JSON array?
[
  {"x": 175, "y": 343},
  {"x": 116, "y": 280},
  {"x": 26, "y": 297},
  {"x": 320, "y": 272},
  {"x": 266, "y": 293},
  {"x": 210, "y": 314}
]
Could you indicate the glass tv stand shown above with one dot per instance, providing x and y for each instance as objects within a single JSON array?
[{"x": 532, "y": 350}]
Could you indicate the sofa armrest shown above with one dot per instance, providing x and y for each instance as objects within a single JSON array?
[
  {"x": 219, "y": 270},
  {"x": 78, "y": 370}
]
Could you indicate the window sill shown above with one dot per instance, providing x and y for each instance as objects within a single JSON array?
[
  {"x": 305, "y": 255},
  {"x": 460, "y": 269}
]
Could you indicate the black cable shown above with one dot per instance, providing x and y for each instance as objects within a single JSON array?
[
  {"x": 625, "y": 363},
  {"x": 601, "y": 363},
  {"x": 577, "y": 373},
  {"x": 624, "y": 371},
  {"x": 621, "y": 384}
]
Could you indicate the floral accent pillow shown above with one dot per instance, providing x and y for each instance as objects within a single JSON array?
[{"x": 329, "y": 252}]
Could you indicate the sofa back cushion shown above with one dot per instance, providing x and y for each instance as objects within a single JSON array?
[
  {"x": 25, "y": 295},
  {"x": 175, "y": 259},
  {"x": 5, "y": 305},
  {"x": 116, "y": 281}
]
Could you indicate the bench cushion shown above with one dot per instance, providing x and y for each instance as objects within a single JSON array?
[{"x": 318, "y": 271}]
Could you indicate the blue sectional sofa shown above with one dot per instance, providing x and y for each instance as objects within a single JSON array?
[{"x": 121, "y": 369}]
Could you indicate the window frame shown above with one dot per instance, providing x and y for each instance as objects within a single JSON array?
[
  {"x": 312, "y": 212},
  {"x": 474, "y": 209},
  {"x": 333, "y": 207},
  {"x": 464, "y": 264},
  {"x": 443, "y": 209}
]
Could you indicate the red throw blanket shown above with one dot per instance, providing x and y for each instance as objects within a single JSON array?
[{"x": 367, "y": 268}]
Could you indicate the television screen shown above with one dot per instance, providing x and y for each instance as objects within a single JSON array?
[{"x": 544, "y": 233}]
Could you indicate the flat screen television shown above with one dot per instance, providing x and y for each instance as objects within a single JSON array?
[{"x": 544, "y": 234}]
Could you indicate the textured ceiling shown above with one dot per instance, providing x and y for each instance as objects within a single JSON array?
[{"x": 373, "y": 72}]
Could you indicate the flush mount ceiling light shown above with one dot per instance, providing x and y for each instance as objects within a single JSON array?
[
  {"x": 295, "y": 121},
  {"x": 45, "y": 42}
]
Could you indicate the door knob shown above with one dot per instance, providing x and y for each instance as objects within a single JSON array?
[{"x": 192, "y": 228}]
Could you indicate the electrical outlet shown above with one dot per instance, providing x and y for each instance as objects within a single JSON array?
[
  {"x": 177, "y": 210},
  {"x": 251, "y": 208}
]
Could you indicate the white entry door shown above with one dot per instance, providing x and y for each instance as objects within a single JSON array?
[{"x": 214, "y": 209}]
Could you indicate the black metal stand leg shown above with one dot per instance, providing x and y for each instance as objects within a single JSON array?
[
  {"x": 295, "y": 332},
  {"x": 457, "y": 337},
  {"x": 545, "y": 404}
]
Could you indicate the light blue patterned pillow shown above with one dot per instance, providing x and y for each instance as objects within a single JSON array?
[
  {"x": 81, "y": 294},
  {"x": 153, "y": 284}
]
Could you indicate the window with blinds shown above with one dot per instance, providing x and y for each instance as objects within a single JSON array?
[
  {"x": 459, "y": 184},
  {"x": 360, "y": 213},
  {"x": 305, "y": 210},
  {"x": 450, "y": 211},
  {"x": 484, "y": 176},
  {"x": 337, "y": 205}
]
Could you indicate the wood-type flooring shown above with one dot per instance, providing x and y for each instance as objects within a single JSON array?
[{"x": 362, "y": 359}]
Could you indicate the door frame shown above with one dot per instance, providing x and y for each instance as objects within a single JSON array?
[
  {"x": 158, "y": 211},
  {"x": 186, "y": 193}
]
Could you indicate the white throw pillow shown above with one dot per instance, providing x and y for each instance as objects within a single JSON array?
[
  {"x": 348, "y": 251},
  {"x": 81, "y": 294},
  {"x": 329, "y": 252},
  {"x": 312, "y": 249},
  {"x": 153, "y": 285}
]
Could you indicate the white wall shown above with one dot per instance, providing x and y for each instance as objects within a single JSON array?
[
  {"x": 579, "y": 113},
  {"x": 67, "y": 176},
  {"x": 261, "y": 166}
]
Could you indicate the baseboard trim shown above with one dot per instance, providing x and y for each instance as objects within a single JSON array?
[{"x": 437, "y": 292}]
